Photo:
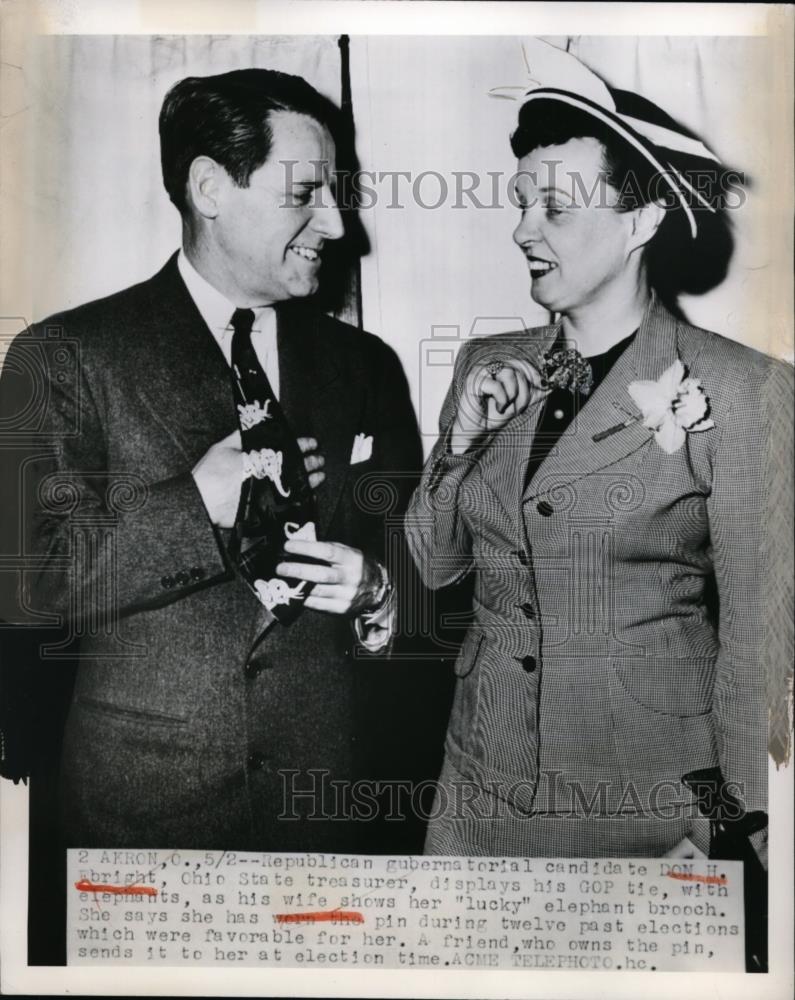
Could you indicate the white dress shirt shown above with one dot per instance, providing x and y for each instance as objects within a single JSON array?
[{"x": 216, "y": 311}]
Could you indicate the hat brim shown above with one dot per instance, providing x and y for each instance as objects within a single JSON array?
[{"x": 650, "y": 151}]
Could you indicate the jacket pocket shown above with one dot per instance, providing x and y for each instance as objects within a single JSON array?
[
  {"x": 655, "y": 748},
  {"x": 125, "y": 714},
  {"x": 682, "y": 688},
  {"x": 468, "y": 654},
  {"x": 466, "y": 697}
]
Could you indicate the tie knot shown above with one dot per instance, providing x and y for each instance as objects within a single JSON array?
[{"x": 243, "y": 321}]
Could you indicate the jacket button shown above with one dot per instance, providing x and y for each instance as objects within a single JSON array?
[
  {"x": 527, "y": 609},
  {"x": 197, "y": 573},
  {"x": 167, "y": 582},
  {"x": 255, "y": 761},
  {"x": 252, "y": 668},
  {"x": 545, "y": 509},
  {"x": 256, "y": 663},
  {"x": 528, "y": 664},
  {"x": 182, "y": 578}
]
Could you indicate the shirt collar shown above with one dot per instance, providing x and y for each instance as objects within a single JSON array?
[{"x": 216, "y": 309}]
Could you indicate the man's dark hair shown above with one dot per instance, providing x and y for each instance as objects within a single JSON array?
[
  {"x": 675, "y": 263},
  {"x": 227, "y": 117}
]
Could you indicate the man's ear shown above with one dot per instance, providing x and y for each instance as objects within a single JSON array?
[
  {"x": 646, "y": 220},
  {"x": 205, "y": 182}
]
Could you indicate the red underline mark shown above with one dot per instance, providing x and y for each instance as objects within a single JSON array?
[
  {"x": 349, "y": 916},
  {"x": 709, "y": 879},
  {"x": 117, "y": 890}
]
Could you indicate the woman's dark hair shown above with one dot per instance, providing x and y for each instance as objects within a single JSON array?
[
  {"x": 227, "y": 117},
  {"x": 675, "y": 262}
]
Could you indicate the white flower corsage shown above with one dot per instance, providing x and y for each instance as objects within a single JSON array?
[{"x": 673, "y": 407}]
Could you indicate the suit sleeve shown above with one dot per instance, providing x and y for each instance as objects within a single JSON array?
[
  {"x": 750, "y": 515},
  {"x": 437, "y": 536},
  {"x": 400, "y": 453},
  {"x": 100, "y": 542}
]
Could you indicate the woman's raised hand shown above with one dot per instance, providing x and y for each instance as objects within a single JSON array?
[{"x": 493, "y": 394}]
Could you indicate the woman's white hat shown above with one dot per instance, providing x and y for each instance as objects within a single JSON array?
[{"x": 559, "y": 76}]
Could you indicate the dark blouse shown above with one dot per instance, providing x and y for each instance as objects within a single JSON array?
[{"x": 562, "y": 406}]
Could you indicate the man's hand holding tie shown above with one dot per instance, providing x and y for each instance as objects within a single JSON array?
[
  {"x": 351, "y": 582},
  {"x": 219, "y": 475}
]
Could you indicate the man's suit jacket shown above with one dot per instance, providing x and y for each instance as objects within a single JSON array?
[
  {"x": 187, "y": 708},
  {"x": 598, "y": 668}
]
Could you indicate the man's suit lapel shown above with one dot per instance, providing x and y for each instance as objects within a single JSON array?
[
  {"x": 187, "y": 387},
  {"x": 188, "y": 390},
  {"x": 315, "y": 398},
  {"x": 576, "y": 455}
]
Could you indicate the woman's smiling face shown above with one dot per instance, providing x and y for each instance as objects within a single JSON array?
[{"x": 576, "y": 243}]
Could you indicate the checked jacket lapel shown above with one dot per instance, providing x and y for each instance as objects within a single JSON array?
[
  {"x": 576, "y": 455},
  {"x": 502, "y": 462}
]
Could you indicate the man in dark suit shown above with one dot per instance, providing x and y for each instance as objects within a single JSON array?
[{"x": 199, "y": 719}]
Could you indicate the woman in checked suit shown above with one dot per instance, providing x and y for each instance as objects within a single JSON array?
[{"x": 612, "y": 480}]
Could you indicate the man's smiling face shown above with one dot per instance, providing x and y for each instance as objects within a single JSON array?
[{"x": 270, "y": 235}]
